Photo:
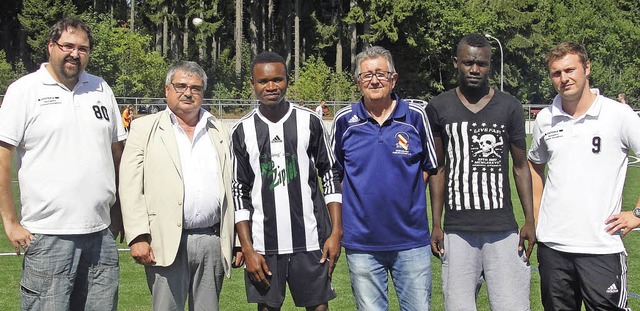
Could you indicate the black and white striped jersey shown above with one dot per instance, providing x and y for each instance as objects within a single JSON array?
[{"x": 275, "y": 183}]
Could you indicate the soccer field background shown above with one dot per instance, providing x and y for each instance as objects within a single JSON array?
[{"x": 134, "y": 294}]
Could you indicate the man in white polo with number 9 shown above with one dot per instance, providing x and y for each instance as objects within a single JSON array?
[{"x": 583, "y": 138}]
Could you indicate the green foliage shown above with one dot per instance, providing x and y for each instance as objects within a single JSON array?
[
  {"x": 386, "y": 18},
  {"x": 312, "y": 83},
  {"x": 209, "y": 13},
  {"x": 354, "y": 16},
  {"x": 223, "y": 76},
  {"x": 123, "y": 59},
  {"x": 342, "y": 87},
  {"x": 326, "y": 33},
  {"x": 7, "y": 73},
  {"x": 36, "y": 18},
  {"x": 422, "y": 36},
  {"x": 317, "y": 81}
]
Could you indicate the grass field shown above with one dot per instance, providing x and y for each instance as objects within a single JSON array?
[{"x": 134, "y": 294}]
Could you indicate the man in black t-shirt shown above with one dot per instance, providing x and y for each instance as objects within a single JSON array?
[{"x": 474, "y": 128}]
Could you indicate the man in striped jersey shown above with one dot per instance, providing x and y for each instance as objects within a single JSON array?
[
  {"x": 475, "y": 127},
  {"x": 584, "y": 139},
  {"x": 383, "y": 145},
  {"x": 287, "y": 231}
]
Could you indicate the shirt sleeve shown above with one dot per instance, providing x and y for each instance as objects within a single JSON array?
[
  {"x": 243, "y": 176},
  {"x": 630, "y": 127},
  {"x": 538, "y": 151},
  {"x": 324, "y": 161},
  {"x": 336, "y": 146},
  {"x": 14, "y": 115},
  {"x": 131, "y": 186},
  {"x": 433, "y": 116},
  {"x": 118, "y": 133},
  {"x": 516, "y": 130},
  {"x": 430, "y": 162}
]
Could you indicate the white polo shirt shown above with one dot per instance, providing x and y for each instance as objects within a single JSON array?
[
  {"x": 201, "y": 175},
  {"x": 587, "y": 164},
  {"x": 63, "y": 140}
]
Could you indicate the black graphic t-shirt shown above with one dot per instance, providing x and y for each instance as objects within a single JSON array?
[{"x": 476, "y": 149}]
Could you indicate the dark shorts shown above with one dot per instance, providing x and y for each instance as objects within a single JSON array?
[
  {"x": 308, "y": 280},
  {"x": 568, "y": 279}
]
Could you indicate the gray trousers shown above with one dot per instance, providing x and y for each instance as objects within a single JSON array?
[
  {"x": 470, "y": 257},
  {"x": 197, "y": 273}
]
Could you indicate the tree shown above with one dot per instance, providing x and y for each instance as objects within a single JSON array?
[
  {"x": 238, "y": 39},
  {"x": 317, "y": 81},
  {"x": 122, "y": 58},
  {"x": 7, "y": 73},
  {"x": 132, "y": 15},
  {"x": 36, "y": 19},
  {"x": 10, "y": 38},
  {"x": 421, "y": 35},
  {"x": 296, "y": 40}
]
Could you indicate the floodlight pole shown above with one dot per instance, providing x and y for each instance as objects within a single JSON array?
[{"x": 501, "y": 60}]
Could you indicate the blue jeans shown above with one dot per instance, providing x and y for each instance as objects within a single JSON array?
[
  {"x": 410, "y": 271},
  {"x": 70, "y": 272}
]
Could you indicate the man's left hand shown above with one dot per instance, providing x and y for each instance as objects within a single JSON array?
[
  {"x": 331, "y": 250},
  {"x": 238, "y": 258},
  {"x": 117, "y": 228},
  {"x": 528, "y": 232},
  {"x": 624, "y": 221}
]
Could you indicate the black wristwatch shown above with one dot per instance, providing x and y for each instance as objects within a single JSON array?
[{"x": 636, "y": 212}]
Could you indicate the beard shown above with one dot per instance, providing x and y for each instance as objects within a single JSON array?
[{"x": 71, "y": 73}]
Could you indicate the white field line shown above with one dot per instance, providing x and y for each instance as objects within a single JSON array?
[{"x": 21, "y": 252}]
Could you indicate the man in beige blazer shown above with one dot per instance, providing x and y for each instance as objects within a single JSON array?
[{"x": 175, "y": 190}]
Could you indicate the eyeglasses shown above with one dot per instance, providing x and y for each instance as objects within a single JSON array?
[
  {"x": 182, "y": 87},
  {"x": 68, "y": 48},
  {"x": 381, "y": 75}
]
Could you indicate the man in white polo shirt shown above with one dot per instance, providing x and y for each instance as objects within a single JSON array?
[
  {"x": 583, "y": 139},
  {"x": 65, "y": 126}
]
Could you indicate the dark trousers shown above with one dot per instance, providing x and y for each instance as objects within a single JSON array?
[{"x": 568, "y": 279}]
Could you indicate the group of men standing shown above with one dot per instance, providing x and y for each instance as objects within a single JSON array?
[{"x": 277, "y": 194}]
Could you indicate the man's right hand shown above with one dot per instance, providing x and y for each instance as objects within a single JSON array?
[
  {"x": 142, "y": 253},
  {"x": 257, "y": 268},
  {"x": 18, "y": 236},
  {"x": 437, "y": 242}
]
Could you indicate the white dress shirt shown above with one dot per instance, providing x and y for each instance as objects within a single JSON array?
[{"x": 200, "y": 172}]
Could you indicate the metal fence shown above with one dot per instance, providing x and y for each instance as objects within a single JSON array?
[
  {"x": 230, "y": 108},
  {"x": 236, "y": 108},
  {"x": 221, "y": 108}
]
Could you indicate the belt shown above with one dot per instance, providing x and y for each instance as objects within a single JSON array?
[{"x": 215, "y": 230}]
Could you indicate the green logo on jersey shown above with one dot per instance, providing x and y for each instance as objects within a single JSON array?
[{"x": 279, "y": 175}]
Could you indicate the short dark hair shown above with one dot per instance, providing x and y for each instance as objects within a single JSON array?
[
  {"x": 562, "y": 49},
  {"x": 269, "y": 57},
  {"x": 475, "y": 40},
  {"x": 69, "y": 22}
]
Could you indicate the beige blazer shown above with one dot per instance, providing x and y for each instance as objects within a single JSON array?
[{"x": 152, "y": 190}]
